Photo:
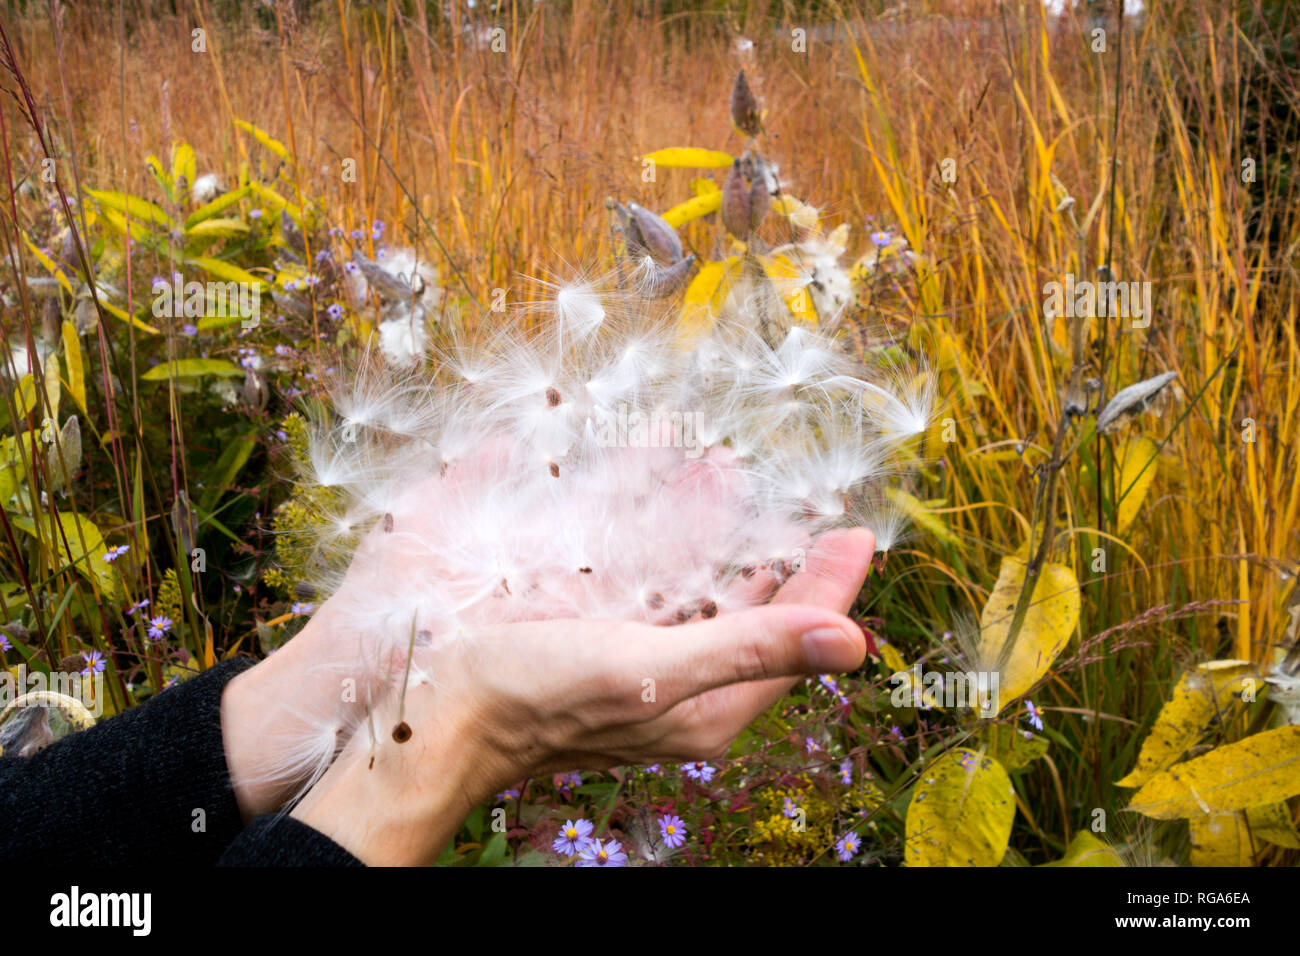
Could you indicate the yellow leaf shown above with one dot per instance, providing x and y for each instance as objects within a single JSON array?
[
  {"x": 76, "y": 377},
  {"x": 220, "y": 204},
  {"x": 922, "y": 515},
  {"x": 1199, "y": 696},
  {"x": 183, "y": 164},
  {"x": 693, "y": 209},
  {"x": 275, "y": 201},
  {"x": 25, "y": 396},
  {"x": 1273, "y": 822},
  {"x": 48, "y": 263},
  {"x": 1263, "y": 768},
  {"x": 1049, "y": 622},
  {"x": 217, "y": 228},
  {"x": 1220, "y": 839},
  {"x": 1137, "y": 469},
  {"x": 274, "y": 145},
  {"x": 703, "y": 186},
  {"x": 1088, "y": 850},
  {"x": 690, "y": 157},
  {"x": 79, "y": 544},
  {"x": 791, "y": 284},
  {"x": 697, "y": 305},
  {"x": 224, "y": 270},
  {"x": 960, "y": 813},
  {"x": 893, "y": 660},
  {"x": 135, "y": 208}
]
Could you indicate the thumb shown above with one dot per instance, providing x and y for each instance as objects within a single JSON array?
[{"x": 778, "y": 640}]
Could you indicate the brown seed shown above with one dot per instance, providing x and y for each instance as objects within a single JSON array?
[
  {"x": 655, "y": 601},
  {"x": 388, "y": 522},
  {"x": 402, "y": 732},
  {"x": 584, "y": 570},
  {"x": 552, "y": 397},
  {"x": 555, "y": 470},
  {"x": 710, "y": 609}
]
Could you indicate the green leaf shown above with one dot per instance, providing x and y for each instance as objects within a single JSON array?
[
  {"x": 960, "y": 813},
  {"x": 232, "y": 459},
  {"x": 191, "y": 368}
]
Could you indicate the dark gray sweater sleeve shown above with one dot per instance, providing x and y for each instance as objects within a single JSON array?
[{"x": 149, "y": 786}]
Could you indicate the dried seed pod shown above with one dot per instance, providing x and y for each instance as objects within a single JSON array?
[
  {"x": 383, "y": 282},
  {"x": 735, "y": 203},
  {"x": 760, "y": 200},
  {"x": 744, "y": 107},
  {"x": 660, "y": 239},
  {"x": 660, "y": 283},
  {"x": 1131, "y": 401}
]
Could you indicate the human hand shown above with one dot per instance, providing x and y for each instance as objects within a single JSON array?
[{"x": 547, "y": 696}]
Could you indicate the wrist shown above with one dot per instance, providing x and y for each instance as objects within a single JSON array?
[{"x": 404, "y": 806}]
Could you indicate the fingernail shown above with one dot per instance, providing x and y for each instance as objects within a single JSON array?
[{"x": 824, "y": 648}]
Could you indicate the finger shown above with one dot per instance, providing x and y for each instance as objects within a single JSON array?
[
  {"x": 833, "y": 572},
  {"x": 761, "y": 644},
  {"x": 832, "y": 577}
]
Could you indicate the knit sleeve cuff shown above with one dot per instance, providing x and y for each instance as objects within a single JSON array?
[
  {"x": 278, "y": 840},
  {"x": 149, "y": 785}
]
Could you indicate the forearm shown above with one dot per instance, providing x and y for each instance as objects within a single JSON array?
[{"x": 148, "y": 786}]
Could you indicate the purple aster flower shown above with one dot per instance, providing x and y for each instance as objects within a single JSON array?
[
  {"x": 511, "y": 794},
  {"x": 190, "y": 329},
  {"x": 377, "y": 229},
  {"x": 335, "y": 311},
  {"x": 968, "y": 760},
  {"x": 574, "y": 836},
  {"x": 255, "y": 214},
  {"x": 357, "y": 235},
  {"x": 701, "y": 771},
  {"x": 94, "y": 662},
  {"x": 1035, "y": 715},
  {"x": 881, "y": 239},
  {"x": 301, "y": 607},
  {"x": 672, "y": 830},
  {"x": 112, "y": 554},
  {"x": 653, "y": 768},
  {"x": 811, "y": 745},
  {"x": 137, "y": 606},
  {"x": 609, "y": 853},
  {"x": 846, "y": 772},
  {"x": 4, "y": 642},
  {"x": 791, "y": 808},
  {"x": 847, "y": 846},
  {"x": 158, "y": 627},
  {"x": 895, "y": 732}
]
